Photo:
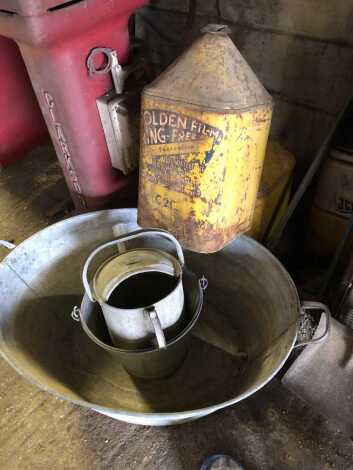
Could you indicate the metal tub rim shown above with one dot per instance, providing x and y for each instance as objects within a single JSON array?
[{"x": 150, "y": 418}]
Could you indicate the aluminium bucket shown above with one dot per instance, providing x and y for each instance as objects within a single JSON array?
[
  {"x": 151, "y": 362},
  {"x": 245, "y": 333},
  {"x": 146, "y": 309}
]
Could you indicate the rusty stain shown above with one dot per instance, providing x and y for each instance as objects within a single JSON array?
[{"x": 205, "y": 123}]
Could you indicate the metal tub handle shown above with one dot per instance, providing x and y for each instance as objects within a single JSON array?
[
  {"x": 309, "y": 305},
  {"x": 124, "y": 238}
]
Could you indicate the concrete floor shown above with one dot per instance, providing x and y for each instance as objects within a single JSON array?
[{"x": 271, "y": 430}]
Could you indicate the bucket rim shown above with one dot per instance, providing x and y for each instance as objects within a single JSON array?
[
  {"x": 85, "y": 215},
  {"x": 99, "y": 269}
]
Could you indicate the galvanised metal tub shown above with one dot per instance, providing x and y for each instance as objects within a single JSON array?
[{"x": 245, "y": 332}]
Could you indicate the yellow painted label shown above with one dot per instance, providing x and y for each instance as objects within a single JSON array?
[{"x": 200, "y": 171}]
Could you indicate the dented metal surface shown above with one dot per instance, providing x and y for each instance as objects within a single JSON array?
[{"x": 205, "y": 124}]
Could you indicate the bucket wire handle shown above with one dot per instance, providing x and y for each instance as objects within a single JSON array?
[
  {"x": 316, "y": 306},
  {"x": 153, "y": 316},
  {"x": 8, "y": 245},
  {"x": 124, "y": 238}
]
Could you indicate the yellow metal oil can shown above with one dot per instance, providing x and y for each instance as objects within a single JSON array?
[{"x": 205, "y": 124}]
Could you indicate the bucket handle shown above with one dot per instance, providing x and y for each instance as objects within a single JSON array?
[
  {"x": 124, "y": 238},
  {"x": 158, "y": 330},
  {"x": 316, "y": 306},
  {"x": 8, "y": 245}
]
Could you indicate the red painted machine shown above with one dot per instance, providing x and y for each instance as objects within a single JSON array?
[
  {"x": 55, "y": 38},
  {"x": 22, "y": 126}
]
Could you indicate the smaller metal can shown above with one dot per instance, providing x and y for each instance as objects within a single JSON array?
[{"x": 145, "y": 310}]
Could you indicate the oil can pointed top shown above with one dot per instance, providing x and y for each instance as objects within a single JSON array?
[{"x": 213, "y": 74}]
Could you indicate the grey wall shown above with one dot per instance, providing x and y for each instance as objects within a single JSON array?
[{"x": 301, "y": 50}]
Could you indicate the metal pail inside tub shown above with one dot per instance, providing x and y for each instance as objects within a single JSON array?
[
  {"x": 151, "y": 362},
  {"x": 140, "y": 292}
]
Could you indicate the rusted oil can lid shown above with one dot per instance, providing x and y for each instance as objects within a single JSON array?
[{"x": 212, "y": 74}]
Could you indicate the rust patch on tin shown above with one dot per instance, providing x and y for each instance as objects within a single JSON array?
[{"x": 200, "y": 169}]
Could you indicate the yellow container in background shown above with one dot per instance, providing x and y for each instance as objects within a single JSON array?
[
  {"x": 205, "y": 124},
  {"x": 333, "y": 204},
  {"x": 274, "y": 190}
]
